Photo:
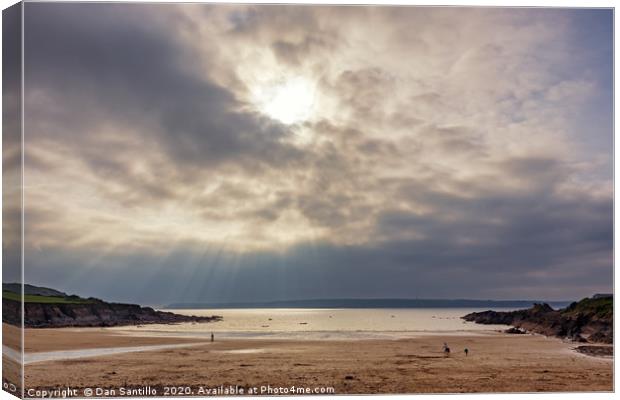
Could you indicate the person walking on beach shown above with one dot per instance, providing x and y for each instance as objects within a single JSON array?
[
  {"x": 212, "y": 337},
  {"x": 446, "y": 349},
  {"x": 466, "y": 351}
]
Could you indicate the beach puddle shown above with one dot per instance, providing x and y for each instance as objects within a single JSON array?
[
  {"x": 30, "y": 358},
  {"x": 240, "y": 351}
]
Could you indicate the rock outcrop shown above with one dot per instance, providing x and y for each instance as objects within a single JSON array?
[
  {"x": 589, "y": 320},
  {"x": 89, "y": 314}
]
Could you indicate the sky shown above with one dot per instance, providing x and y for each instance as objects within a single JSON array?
[{"x": 215, "y": 153}]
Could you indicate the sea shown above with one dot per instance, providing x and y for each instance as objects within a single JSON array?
[
  {"x": 316, "y": 324},
  {"x": 289, "y": 324}
]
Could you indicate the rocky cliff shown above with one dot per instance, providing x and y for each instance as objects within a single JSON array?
[
  {"x": 73, "y": 311},
  {"x": 589, "y": 320}
]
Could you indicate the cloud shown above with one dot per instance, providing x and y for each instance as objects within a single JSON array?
[
  {"x": 441, "y": 156},
  {"x": 117, "y": 68}
]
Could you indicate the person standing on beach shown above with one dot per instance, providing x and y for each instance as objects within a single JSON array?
[
  {"x": 466, "y": 351},
  {"x": 446, "y": 349},
  {"x": 212, "y": 337}
]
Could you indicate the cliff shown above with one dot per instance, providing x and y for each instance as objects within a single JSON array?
[
  {"x": 589, "y": 320},
  {"x": 73, "y": 311}
]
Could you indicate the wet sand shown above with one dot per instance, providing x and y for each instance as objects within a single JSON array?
[
  {"x": 496, "y": 363},
  {"x": 43, "y": 340}
]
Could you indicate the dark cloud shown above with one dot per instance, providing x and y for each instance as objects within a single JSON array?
[{"x": 118, "y": 71}]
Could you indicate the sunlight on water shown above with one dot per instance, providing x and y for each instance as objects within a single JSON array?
[{"x": 322, "y": 323}]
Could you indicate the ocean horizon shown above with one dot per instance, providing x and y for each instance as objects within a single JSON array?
[{"x": 352, "y": 303}]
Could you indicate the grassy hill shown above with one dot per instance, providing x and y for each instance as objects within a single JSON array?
[
  {"x": 35, "y": 298},
  {"x": 31, "y": 289},
  {"x": 602, "y": 308}
]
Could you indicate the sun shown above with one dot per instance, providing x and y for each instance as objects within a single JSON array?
[{"x": 291, "y": 101}]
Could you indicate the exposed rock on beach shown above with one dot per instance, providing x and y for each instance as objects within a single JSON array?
[{"x": 589, "y": 320}]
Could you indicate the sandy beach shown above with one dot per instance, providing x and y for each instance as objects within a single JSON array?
[{"x": 496, "y": 363}]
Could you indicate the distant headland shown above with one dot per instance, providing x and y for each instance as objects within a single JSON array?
[
  {"x": 368, "y": 303},
  {"x": 50, "y": 308}
]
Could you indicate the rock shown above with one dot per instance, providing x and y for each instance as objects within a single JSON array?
[
  {"x": 599, "y": 351},
  {"x": 589, "y": 320},
  {"x": 93, "y": 313},
  {"x": 515, "y": 331}
]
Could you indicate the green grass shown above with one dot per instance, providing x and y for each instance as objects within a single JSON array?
[
  {"x": 602, "y": 308},
  {"x": 33, "y": 298}
]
